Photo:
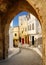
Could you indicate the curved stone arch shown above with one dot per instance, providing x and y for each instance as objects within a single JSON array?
[
  {"x": 28, "y": 8},
  {"x": 37, "y": 5},
  {"x": 13, "y": 12}
]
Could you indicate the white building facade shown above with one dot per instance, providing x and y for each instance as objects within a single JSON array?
[
  {"x": 34, "y": 28},
  {"x": 30, "y": 27},
  {"x": 23, "y": 28}
]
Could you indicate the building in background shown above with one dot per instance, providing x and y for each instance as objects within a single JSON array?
[
  {"x": 29, "y": 29},
  {"x": 15, "y": 36},
  {"x": 23, "y": 29},
  {"x": 34, "y": 30}
]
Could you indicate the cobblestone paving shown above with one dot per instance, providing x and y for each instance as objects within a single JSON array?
[{"x": 26, "y": 57}]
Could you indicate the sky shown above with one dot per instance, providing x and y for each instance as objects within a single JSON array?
[{"x": 15, "y": 20}]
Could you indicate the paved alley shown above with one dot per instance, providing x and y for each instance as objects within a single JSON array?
[{"x": 25, "y": 57}]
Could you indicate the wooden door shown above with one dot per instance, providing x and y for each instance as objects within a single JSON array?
[{"x": 22, "y": 40}]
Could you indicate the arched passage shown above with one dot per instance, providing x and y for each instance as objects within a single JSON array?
[{"x": 21, "y": 6}]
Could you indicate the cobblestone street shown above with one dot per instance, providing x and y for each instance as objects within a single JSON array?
[{"x": 26, "y": 57}]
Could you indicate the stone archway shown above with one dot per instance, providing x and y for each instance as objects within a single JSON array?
[
  {"x": 13, "y": 12},
  {"x": 33, "y": 6}
]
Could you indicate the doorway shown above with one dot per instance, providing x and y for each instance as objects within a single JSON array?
[{"x": 32, "y": 40}]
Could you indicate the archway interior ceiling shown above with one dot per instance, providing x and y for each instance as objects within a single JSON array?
[{"x": 13, "y": 7}]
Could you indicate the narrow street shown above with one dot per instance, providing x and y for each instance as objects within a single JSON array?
[{"x": 25, "y": 57}]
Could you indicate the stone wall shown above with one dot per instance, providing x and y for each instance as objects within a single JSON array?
[
  {"x": 9, "y": 10},
  {"x": 1, "y": 43},
  {"x": 39, "y": 5}
]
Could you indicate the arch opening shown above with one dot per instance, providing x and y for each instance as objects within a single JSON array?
[
  {"x": 12, "y": 13},
  {"x": 28, "y": 28}
]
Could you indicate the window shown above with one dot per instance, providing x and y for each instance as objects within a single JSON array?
[
  {"x": 16, "y": 39},
  {"x": 15, "y": 34},
  {"x": 22, "y": 31},
  {"x": 33, "y": 26},
  {"x": 30, "y": 26}
]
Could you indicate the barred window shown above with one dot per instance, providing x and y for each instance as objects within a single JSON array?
[{"x": 33, "y": 26}]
